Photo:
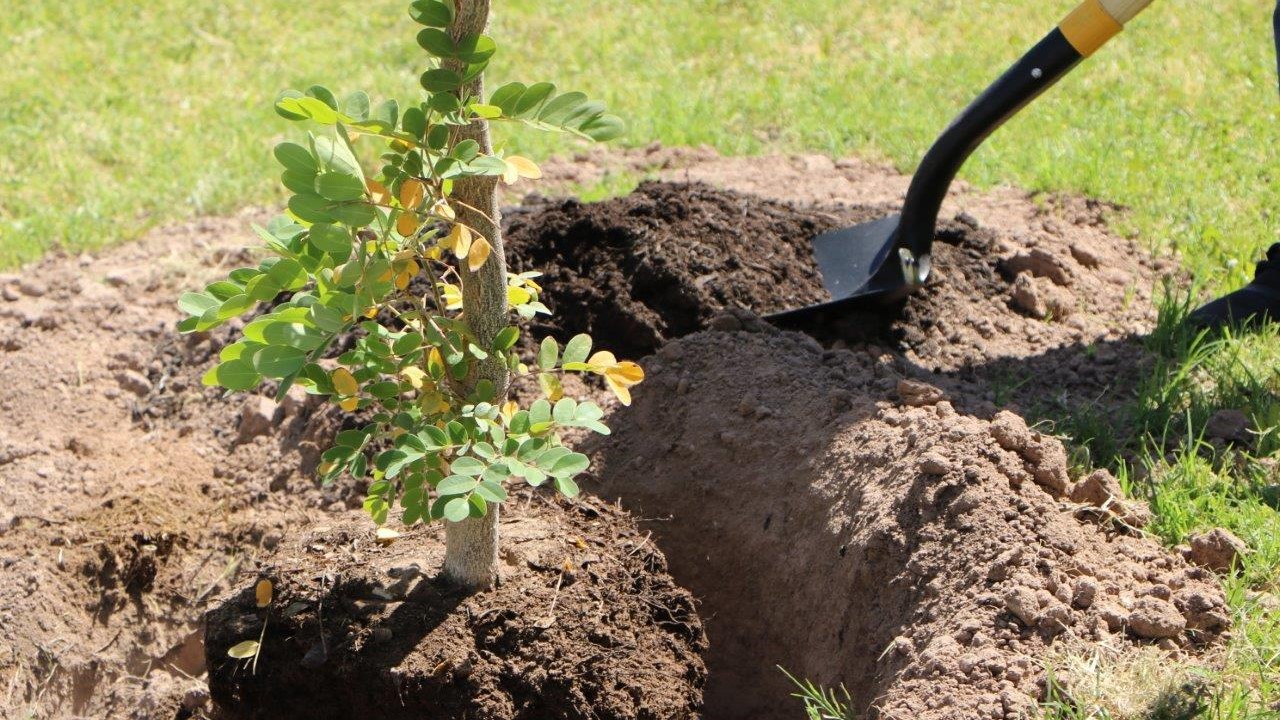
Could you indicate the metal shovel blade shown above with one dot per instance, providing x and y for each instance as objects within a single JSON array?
[{"x": 858, "y": 268}]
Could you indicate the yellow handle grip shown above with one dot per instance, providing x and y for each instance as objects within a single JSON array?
[{"x": 1094, "y": 22}]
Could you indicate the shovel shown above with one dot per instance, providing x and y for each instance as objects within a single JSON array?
[{"x": 881, "y": 262}]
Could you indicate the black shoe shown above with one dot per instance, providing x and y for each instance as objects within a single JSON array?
[{"x": 1254, "y": 304}]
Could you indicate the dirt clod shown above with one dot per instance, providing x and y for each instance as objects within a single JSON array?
[
  {"x": 1156, "y": 619},
  {"x": 1219, "y": 549}
]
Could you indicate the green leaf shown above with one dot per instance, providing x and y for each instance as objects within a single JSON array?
[
  {"x": 331, "y": 238},
  {"x": 479, "y": 508},
  {"x": 491, "y": 491},
  {"x": 339, "y": 187},
  {"x": 456, "y": 485},
  {"x": 577, "y": 349},
  {"x": 507, "y": 96},
  {"x": 506, "y": 339},
  {"x": 437, "y": 42},
  {"x": 467, "y": 150},
  {"x": 570, "y": 465},
  {"x": 431, "y": 13},
  {"x": 605, "y": 127},
  {"x": 387, "y": 112},
  {"x": 354, "y": 214},
  {"x": 324, "y": 95},
  {"x": 296, "y": 158},
  {"x": 311, "y": 208},
  {"x": 277, "y": 361},
  {"x": 532, "y": 99},
  {"x": 434, "y": 437},
  {"x": 548, "y": 353},
  {"x": 235, "y": 374},
  {"x": 287, "y": 111},
  {"x": 564, "y": 410},
  {"x": 467, "y": 465},
  {"x": 197, "y": 303},
  {"x": 288, "y": 274},
  {"x": 487, "y": 112},
  {"x": 407, "y": 344},
  {"x": 334, "y": 155},
  {"x": 441, "y": 80},
  {"x": 356, "y": 105},
  {"x": 560, "y": 108},
  {"x": 234, "y": 306},
  {"x": 438, "y": 136},
  {"x": 457, "y": 509},
  {"x": 414, "y": 121},
  {"x": 475, "y": 49},
  {"x": 567, "y": 487}
]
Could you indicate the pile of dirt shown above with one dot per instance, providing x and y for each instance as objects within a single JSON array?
[
  {"x": 1028, "y": 293},
  {"x": 843, "y": 520},
  {"x": 584, "y": 624}
]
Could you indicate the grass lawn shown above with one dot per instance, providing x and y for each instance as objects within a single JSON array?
[{"x": 119, "y": 116}]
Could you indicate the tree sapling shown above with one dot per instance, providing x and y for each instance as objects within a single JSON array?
[{"x": 434, "y": 360}]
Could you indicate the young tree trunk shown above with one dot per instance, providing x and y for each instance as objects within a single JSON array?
[{"x": 471, "y": 546}]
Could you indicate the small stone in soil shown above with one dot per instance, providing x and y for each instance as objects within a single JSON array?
[{"x": 134, "y": 382}]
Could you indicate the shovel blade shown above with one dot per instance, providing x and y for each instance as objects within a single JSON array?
[{"x": 858, "y": 268}]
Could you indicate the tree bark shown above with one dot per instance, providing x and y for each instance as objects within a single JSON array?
[{"x": 471, "y": 546}]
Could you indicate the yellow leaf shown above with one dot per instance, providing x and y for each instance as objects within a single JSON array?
[
  {"x": 246, "y": 649},
  {"x": 344, "y": 382},
  {"x": 325, "y": 468},
  {"x": 518, "y": 295},
  {"x": 624, "y": 395},
  {"x": 509, "y": 409},
  {"x": 412, "y": 191},
  {"x": 262, "y": 592},
  {"x": 385, "y": 276},
  {"x": 510, "y": 174},
  {"x": 407, "y": 224},
  {"x": 349, "y": 404},
  {"x": 381, "y": 195},
  {"x": 478, "y": 253},
  {"x": 458, "y": 240},
  {"x": 386, "y": 536},
  {"x": 434, "y": 253},
  {"x": 371, "y": 312},
  {"x": 402, "y": 280},
  {"x": 435, "y": 359},
  {"x": 626, "y": 372},
  {"x": 602, "y": 361},
  {"x": 525, "y": 167},
  {"x": 414, "y": 375},
  {"x": 452, "y": 296},
  {"x": 443, "y": 209}
]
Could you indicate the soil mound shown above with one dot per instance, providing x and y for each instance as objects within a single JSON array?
[
  {"x": 585, "y": 624},
  {"x": 846, "y": 522}
]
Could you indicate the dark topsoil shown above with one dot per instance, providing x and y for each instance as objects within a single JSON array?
[{"x": 586, "y": 623}]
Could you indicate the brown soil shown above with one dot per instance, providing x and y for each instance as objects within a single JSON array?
[
  {"x": 845, "y": 522},
  {"x": 585, "y": 624},
  {"x": 132, "y": 499}
]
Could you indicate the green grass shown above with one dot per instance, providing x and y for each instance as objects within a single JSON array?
[{"x": 121, "y": 116}]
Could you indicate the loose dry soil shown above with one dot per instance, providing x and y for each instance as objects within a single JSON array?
[{"x": 856, "y": 510}]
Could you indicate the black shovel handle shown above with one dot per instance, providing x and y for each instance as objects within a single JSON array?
[{"x": 1078, "y": 36}]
